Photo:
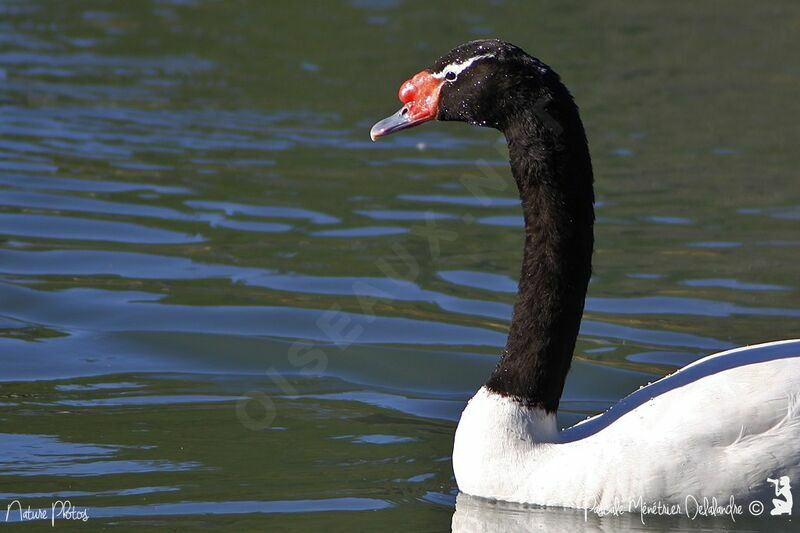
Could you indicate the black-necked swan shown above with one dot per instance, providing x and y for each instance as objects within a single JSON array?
[{"x": 719, "y": 427}]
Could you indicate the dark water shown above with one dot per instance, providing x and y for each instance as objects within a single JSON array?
[{"x": 221, "y": 304}]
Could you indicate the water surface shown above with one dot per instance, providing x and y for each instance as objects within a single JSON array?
[{"x": 221, "y": 304}]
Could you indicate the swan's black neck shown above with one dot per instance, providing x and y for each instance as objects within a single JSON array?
[{"x": 551, "y": 165}]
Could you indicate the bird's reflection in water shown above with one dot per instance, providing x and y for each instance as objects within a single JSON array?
[{"x": 479, "y": 515}]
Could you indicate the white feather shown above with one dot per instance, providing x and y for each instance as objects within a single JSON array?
[
  {"x": 716, "y": 428},
  {"x": 458, "y": 68}
]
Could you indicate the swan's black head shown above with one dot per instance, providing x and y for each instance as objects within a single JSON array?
[{"x": 478, "y": 83}]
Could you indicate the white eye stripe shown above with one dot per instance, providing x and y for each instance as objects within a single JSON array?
[{"x": 458, "y": 68}]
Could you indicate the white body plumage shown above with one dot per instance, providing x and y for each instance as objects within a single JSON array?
[{"x": 716, "y": 428}]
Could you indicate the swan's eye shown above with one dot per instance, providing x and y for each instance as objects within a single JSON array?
[{"x": 450, "y": 76}]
